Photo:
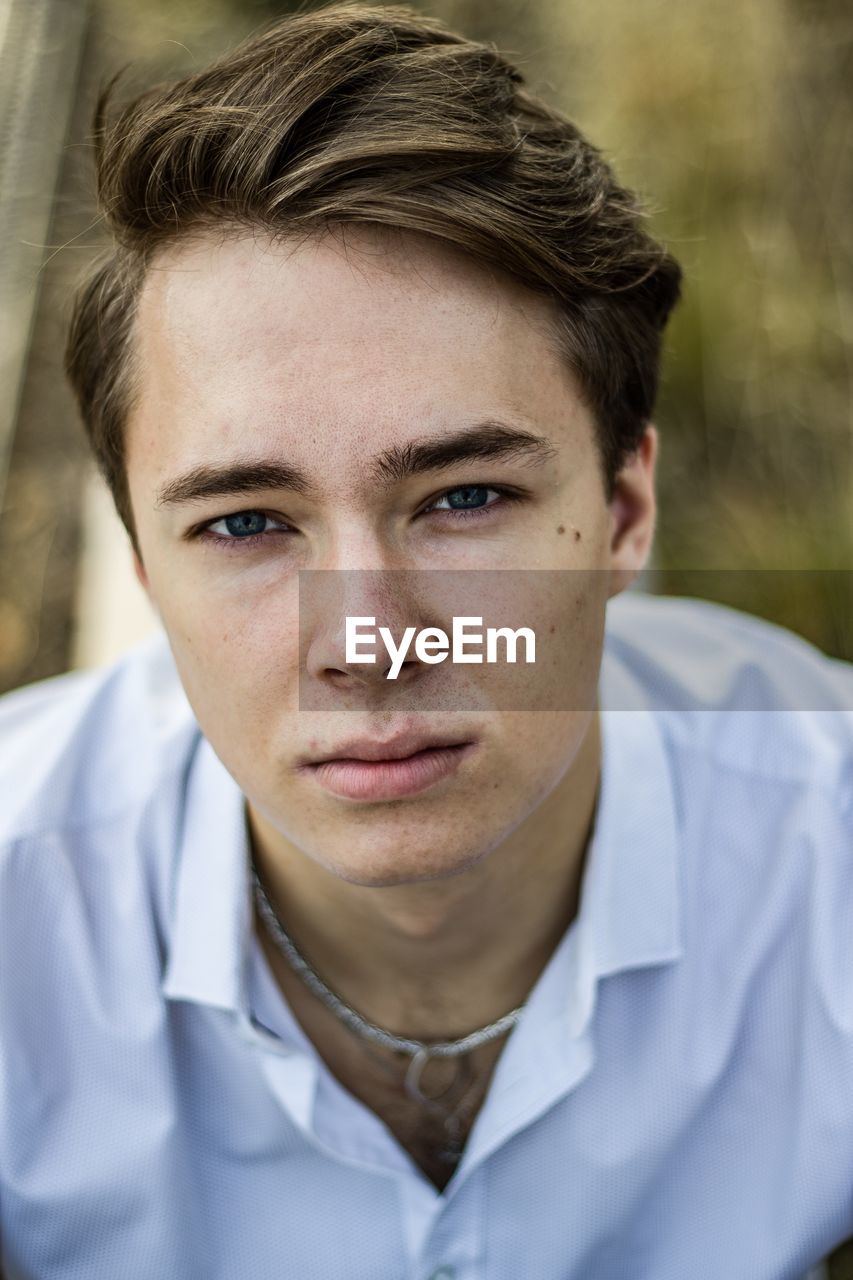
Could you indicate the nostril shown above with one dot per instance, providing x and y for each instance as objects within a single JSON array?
[
  {"x": 338, "y": 675},
  {"x": 408, "y": 665}
]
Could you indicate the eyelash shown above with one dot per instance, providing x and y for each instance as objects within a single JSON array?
[{"x": 505, "y": 496}]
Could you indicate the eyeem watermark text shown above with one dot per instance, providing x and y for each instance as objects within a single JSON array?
[{"x": 434, "y": 645}]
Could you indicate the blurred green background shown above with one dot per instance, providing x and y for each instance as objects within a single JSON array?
[{"x": 732, "y": 118}]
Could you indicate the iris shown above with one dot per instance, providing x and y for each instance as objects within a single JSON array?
[
  {"x": 471, "y": 496},
  {"x": 245, "y": 524}
]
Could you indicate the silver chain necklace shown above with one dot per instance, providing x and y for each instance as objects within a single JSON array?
[{"x": 418, "y": 1050}]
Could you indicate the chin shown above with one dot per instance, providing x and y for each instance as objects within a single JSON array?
[{"x": 382, "y": 869}]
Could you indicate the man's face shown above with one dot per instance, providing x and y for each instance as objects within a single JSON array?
[{"x": 316, "y": 361}]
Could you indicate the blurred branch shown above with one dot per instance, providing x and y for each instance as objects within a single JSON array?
[{"x": 41, "y": 43}]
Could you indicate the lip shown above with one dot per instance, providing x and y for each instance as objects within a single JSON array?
[
  {"x": 386, "y": 776},
  {"x": 396, "y": 748}
]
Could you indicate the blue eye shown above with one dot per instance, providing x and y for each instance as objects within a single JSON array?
[
  {"x": 468, "y": 498},
  {"x": 471, "y": 500},
  {"x": 243, "y": 527},
  {"x": 245, "y": 524}
]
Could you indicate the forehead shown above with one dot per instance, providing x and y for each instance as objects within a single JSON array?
[{"x": 363, "y": 335}]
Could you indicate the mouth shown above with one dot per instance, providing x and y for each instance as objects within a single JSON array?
[{"x": 369, "y": 770}]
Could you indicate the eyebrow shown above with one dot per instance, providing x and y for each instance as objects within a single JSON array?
[
  {"x": 233, "y": 478},
  {"x": 486, "y": 440}
]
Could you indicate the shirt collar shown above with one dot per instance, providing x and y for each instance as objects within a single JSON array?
[
  {"x": 212, "y": 921},
  {"x": 628, "y": 915},
  {"x": 630, "y": 897}
]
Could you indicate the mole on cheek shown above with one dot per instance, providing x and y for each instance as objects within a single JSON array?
[
  {"x": 561, "y": 529},
  {"x": 577, "y": 535}
]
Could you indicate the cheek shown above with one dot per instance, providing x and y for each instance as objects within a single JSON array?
[
  {"x": 544, "y": 744},
  {"x": 531, "y": 753},
  {"x": 237, "y": 658},
  {"x": 565, "y": 609}
]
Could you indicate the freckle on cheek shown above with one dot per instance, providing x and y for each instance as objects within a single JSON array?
[
  {"x": 551, "y": 629},
  {"x": 577, "y": 535},
  {"x": 561, "y": 528}
]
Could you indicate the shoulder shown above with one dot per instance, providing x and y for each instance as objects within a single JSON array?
[
  {"x": 746, "y": 695},
  {"x": 755, "y": 733},
  {"x": 93, "y": 770},
  {"x": 82, "y": 748}
]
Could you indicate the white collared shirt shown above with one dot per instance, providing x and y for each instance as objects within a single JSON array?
[{"x": 676, "y": 1100}]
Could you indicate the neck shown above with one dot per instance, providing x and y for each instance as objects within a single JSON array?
[{"x": 463, "y": 949}]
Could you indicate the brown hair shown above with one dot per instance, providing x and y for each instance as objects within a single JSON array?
[{"x": 377, "y": 115}]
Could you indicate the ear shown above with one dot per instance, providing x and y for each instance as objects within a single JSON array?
[{"x": 633, "y": 510}]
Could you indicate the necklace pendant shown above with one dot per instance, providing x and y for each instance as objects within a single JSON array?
[
  {"x": 413, "y": 1077},
  {"x": 438, "y": 1100}
]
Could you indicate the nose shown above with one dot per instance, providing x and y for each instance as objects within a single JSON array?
[{"x": 327, "y": 598}]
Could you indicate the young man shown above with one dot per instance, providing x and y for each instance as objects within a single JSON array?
[{"x": 301, "y": 977}]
